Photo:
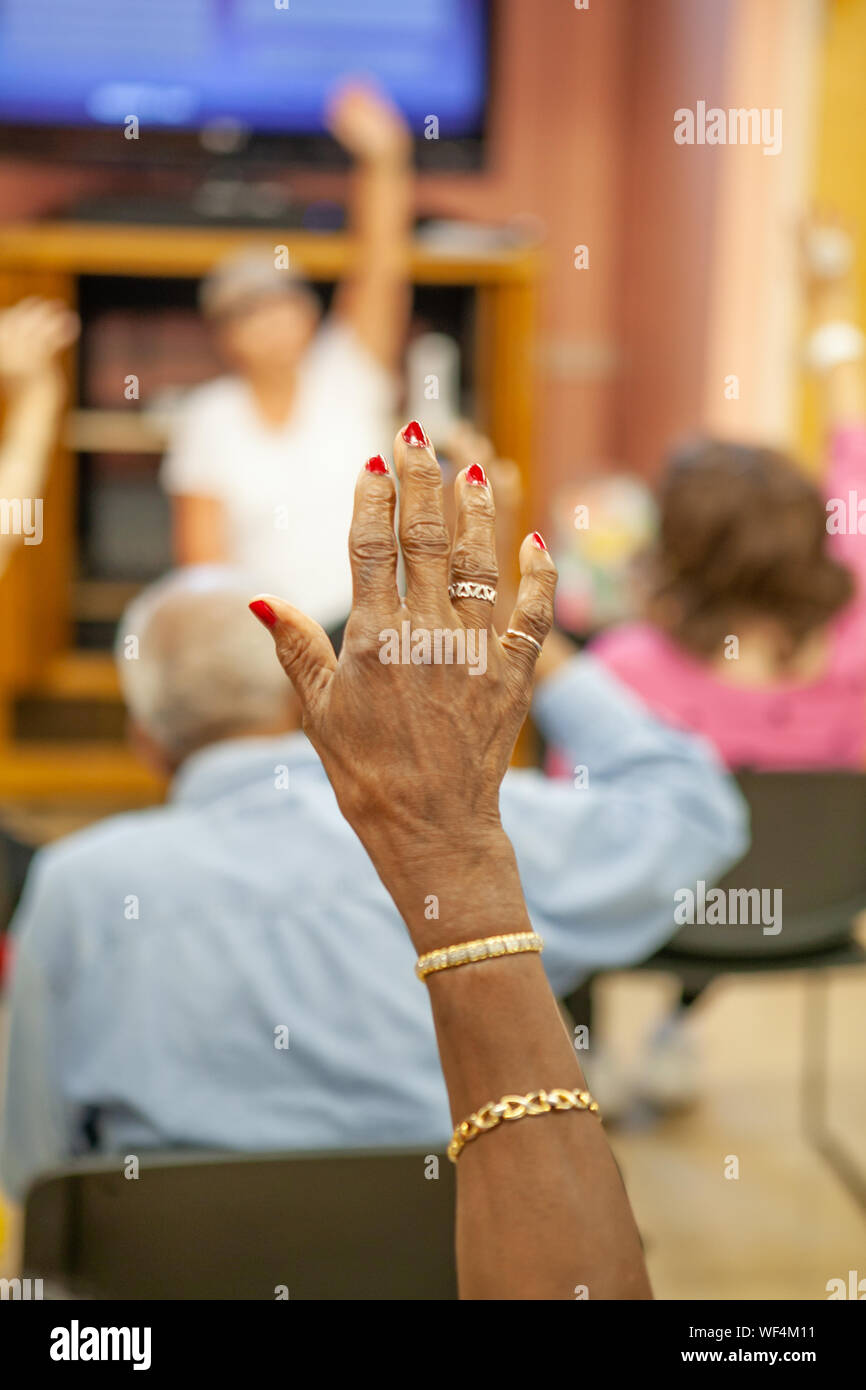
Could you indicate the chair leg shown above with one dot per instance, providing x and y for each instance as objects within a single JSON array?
[{"x": 814, "y": 1096}]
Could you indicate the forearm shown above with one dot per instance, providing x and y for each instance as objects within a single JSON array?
[
  {"x": 376, "y": 297},
  {"x": 380, "y": 211},
  {"x": 25, "y": 450},
  {"x": 541, "y": 1208},
  {"x": 30, "y": 431}
]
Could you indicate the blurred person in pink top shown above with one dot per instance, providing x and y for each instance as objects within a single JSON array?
[
  {"x": 754, "y": 627},
  {"x": 755, "y": 633},
  {"x": 755, "y": 621}
]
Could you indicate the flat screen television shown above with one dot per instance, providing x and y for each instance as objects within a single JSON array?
[{"x": 212, "y": 78}]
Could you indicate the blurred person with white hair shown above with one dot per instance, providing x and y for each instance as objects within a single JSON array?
[
  {"x": 33, "y": 334},
  {"x": 263, "y": 461},
  {"x": 227, "y": 971}
]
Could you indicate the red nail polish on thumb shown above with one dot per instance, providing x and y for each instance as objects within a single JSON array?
[
  {"x": 538, "y": 541},
  {"x": 263, "y": 611}
]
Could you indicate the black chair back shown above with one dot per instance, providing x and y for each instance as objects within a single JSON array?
[
  {"x": 809, "y": 841},
  {"x": 192, "y": 1226}
]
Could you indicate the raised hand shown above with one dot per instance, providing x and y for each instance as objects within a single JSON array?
[
  {"x": 33, "y": 333},
  {"x": 415, "y": 745},
  {"x": 415, "y": 751},
  {"x": 367, "y": 124}
]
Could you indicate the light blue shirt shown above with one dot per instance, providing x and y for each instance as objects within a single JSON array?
[{"x": 164, "y": 957}]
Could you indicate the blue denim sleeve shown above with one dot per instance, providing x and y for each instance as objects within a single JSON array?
[{"x": 646, "y": 811}]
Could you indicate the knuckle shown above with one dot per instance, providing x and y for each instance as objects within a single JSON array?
[
  {"x": 546, "y": 579},
  {"x": 536, "y": 617},
  {"x": 373, "y": 547},
  {"x": 360, "y": 637},
  {"x": 478, "y": 501},
  {"x": 472, "y": 564},
  {"x": 420, "y": 467},
  {"x": 425, "y": 539},
  {"x": 294, "y": 656},
  {"x": 519, "y": 673}
]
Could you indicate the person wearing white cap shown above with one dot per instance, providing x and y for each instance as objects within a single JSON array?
[{"x": 257, "y": 453}]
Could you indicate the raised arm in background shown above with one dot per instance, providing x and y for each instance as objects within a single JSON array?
[
  {"x": 416, "y": 755},
  {"x": 33, "y": 334},
  {"x": 374, "y": 298}
]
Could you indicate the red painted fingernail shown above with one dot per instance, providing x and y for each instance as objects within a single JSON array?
[
  {"x": 475, "y": 474},
  {"x": 263, "y": 611},
  {"x": 538, "y": 541},
  {"x": 376, "y": 464},
  {"x": 414, "y": 434}
]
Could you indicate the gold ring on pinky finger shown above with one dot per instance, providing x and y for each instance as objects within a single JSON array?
[{"x": 515, "y": 632}]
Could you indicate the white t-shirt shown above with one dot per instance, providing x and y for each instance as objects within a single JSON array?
[{"x": 287, "y": 490}]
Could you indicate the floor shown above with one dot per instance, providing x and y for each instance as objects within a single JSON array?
[{"x": 785, "y": 1226}]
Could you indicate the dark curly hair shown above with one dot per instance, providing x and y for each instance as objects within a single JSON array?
[{"x": 742, "y": 532}]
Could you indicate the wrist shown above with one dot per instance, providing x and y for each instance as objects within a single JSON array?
[
  {"x": 396, "y": 160},
  {"x": 47, "y": 382},
  {"x": 456, "y": 888}
]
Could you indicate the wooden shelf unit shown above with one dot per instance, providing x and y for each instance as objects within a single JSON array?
[
  {"x": 36, "y": 590},
  {"x": 115, "y": 432}
]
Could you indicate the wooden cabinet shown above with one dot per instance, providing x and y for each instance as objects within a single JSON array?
[{"x": 37, "y": 652}]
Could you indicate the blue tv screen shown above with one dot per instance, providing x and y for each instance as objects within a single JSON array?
[{"x": 267, "y": 66}]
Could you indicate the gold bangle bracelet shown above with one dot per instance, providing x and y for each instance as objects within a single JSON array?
[
  {"x": 485, "y": 948},
  {"x": 517, "y": 1108}
]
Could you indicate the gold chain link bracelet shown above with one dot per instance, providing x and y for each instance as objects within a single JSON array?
[
  {"x": 485, "y": 948},
  {"x": 517, "y": 1108}
]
